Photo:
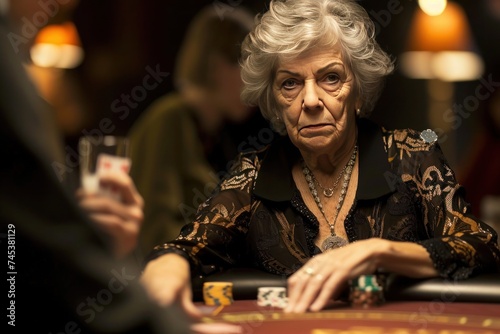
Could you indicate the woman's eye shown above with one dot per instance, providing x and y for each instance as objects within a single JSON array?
[
  {"x": 288, "y": 84},
  {"x": 333, "y": 78}
]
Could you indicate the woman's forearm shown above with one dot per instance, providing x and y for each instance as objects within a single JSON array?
[{"x": 406, "y": 258}]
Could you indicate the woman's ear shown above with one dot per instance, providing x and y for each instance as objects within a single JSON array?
[{"x": 357, "y": 106}]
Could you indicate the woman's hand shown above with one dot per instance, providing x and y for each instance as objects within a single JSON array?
[
  {"x": 120, "y": 216},
  {"x": 324, "y": 276},
  {"x": 167, "y": 280}
]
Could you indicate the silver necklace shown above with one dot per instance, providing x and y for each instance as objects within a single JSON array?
[
  {"x": 333, "y": 241},
  {"x": 328, "y": 192}
]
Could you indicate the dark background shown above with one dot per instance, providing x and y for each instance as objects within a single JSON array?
[{"x": 122, "y": 38}]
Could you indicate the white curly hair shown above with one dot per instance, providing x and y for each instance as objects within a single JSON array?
[{"x": 290, "y": 28}]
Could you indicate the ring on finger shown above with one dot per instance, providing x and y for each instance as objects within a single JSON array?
[{"x": 309, "y": 271}]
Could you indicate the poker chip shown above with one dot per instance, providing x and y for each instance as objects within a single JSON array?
[
  {"x": 218, "y": 293},
  {"x": 272, "y": 296},
  {"x": 366, "y": 283},
  {"x": 366, "y": 291}
]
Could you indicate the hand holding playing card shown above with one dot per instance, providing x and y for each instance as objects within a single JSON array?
[
  {"x": 108, "y": 193},
  {"x": 120, "y": 219}
]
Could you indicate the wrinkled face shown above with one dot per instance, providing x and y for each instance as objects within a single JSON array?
[{"x": 315, "y": 95}]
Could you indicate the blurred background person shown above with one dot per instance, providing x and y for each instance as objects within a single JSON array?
[
  {"x": 184, "y": 141},
  {"x": 60, "y": 259}
]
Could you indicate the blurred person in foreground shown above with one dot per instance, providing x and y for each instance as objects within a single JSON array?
[
  {"x": 316, "y": 206},
  {"x": 66, "y": 272},
  {"x": 184, "y": 141}
]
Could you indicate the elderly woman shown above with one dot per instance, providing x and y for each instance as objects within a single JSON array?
[{"x": 337, "y": 196}]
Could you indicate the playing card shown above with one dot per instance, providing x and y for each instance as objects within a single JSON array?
[{"x": 112, "y": 163}]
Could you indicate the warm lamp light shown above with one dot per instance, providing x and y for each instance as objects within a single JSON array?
[
  {"x": 432, "y": 7},
  {"x": 441, "y": 47},
  {"x": 57, "y": 45}
]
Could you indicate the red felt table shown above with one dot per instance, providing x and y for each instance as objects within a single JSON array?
[{"x": 394, "y": 317}]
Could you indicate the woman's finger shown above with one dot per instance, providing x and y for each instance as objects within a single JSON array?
[
  {"x": 296, "y": 285},
  {"x": 331, "y": 288},
  {"x": 311, "y": 290},
  {"x": 166, "y": 278},
  {"x": 188, "y": 306},
  {"x": 356, "y": 260}
]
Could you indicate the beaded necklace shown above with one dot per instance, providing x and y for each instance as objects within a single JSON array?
[{"x": 333, "y": 241}]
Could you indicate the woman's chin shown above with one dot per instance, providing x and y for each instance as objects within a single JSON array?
[{"x": 316, "y": 144}]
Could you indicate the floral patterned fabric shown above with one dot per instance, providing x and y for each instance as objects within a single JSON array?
[{"x": 406, "y": 192}]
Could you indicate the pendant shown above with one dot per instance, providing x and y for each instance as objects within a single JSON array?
[
  {"x": 333, "y": 241},
  {"x": 328, "y": 192}
]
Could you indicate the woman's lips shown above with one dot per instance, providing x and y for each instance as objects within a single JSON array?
[
  {"x": 314, "y": 130},
  {"x": 314, "y": 126}
]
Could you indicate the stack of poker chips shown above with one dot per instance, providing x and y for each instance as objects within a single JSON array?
[
  {"x": 218, "y": 293},
  {"x": 366, "y": 291},
  {"x": 272, "y": 296}
]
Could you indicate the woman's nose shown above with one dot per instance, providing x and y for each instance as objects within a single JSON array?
[{"x": 311, "y": 99}]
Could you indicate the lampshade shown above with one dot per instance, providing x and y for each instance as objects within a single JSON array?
[
  {"x": 441, "y": 47},
  {"x": 57, "y": 45},
  {"x": 448, "y": 31}
]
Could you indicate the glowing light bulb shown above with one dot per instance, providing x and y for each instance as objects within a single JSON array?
[
  {"x": 432, "y": 7},
  {"x": 57, "y": 45}
]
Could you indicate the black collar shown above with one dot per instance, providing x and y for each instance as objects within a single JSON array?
[{"x": 275, "y": 181}]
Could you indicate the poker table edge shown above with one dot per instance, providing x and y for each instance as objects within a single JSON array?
[{"x": 484, "y": 288}]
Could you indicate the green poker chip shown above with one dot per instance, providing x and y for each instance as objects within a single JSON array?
[
  {"x": 366, "y": 283},
  {"x": 366, "y": 291}
]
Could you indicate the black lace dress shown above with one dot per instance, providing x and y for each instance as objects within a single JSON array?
[{"x": 406, "y": 192}]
